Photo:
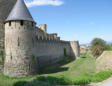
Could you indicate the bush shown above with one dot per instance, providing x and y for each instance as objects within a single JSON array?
[
  {"x": 108, "y": 47},
  {"x": 97, "y": 50},
  {"x": 97, "y": 46}
]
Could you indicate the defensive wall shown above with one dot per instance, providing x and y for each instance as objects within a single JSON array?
[{"x": 27, "y": 51}]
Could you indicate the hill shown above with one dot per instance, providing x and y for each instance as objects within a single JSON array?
[{"x": 104, "y": 62}]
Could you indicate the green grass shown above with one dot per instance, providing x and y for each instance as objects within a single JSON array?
[
  {"x": 100, "y": 76},
  {"x": 78, "y": 72}
]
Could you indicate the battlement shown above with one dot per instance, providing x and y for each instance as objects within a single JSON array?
[{"x": 20, "y": 23}]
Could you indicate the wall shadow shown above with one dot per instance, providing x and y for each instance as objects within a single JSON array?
[{"x": 57, "y": 67}]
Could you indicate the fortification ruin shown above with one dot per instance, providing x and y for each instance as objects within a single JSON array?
[{"x": 28, "y": 47}]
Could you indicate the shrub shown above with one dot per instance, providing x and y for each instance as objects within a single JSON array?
[
  {"x": 108, "y": 47},
  {"x": 97, "y": 46},
  {"x": 97, "y": 50}
]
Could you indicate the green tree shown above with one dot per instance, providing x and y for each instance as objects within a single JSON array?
[
  {"x": 97, "y": 46},
  {"x": 108, "y": 47}
]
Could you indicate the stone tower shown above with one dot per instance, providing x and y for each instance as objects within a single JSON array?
[
  {"x": 43, "y": 27},
  {"x": 19, "y": 42},
  {"x": 5, "y": 8},
  {"x": 75, "y": 49}
]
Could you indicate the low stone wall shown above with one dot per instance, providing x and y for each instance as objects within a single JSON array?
[{"x": 48, "y": 52}]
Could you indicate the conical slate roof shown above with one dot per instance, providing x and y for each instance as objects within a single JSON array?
[{"x": 20, "y": 12}]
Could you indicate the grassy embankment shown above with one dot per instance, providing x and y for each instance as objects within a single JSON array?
[{"x": 80, "y": 71}]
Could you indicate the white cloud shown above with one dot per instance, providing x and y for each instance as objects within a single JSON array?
[{"x": 43, "y": 2}]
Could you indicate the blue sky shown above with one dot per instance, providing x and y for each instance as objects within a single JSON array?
[{"x": 80, "y": 20}]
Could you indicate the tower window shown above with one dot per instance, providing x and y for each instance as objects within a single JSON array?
[
  {"x": 21, "y": 22},
  {"x": 9, "y": 23},
  {"x": 18, "y": 42},
  {"x": 32, "y": 24}
]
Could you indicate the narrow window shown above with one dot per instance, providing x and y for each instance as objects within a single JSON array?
[
  {"x": 11, "y": 55},
  {"x": 21, "y": 22},
  {"x": 32, "y": 24},
  {"x": 18, "y": 42},
  {"x": 9, "y": 23},
  {"x": 33, "y": 42}
]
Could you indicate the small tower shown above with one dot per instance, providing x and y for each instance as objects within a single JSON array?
[
  {"x": 43, "y": 27},
  {"x": 19, "y": 42},
  {"x": 75, "y": 47}
]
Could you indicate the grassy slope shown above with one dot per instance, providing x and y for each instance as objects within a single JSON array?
[
  {"x": 80, "y": 71},
  {"x": 77, "y": 68}
]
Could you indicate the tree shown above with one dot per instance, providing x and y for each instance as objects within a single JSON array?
[
  {"x": 108, "y": 47},
  {"x": 97, "y": 46}
]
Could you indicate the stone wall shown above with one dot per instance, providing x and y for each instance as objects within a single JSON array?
[
  {"x": 49, "y": 52},
  {"x": 26, "y": 54}
]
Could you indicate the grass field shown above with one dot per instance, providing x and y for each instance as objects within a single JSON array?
[{"x": 80, "y": 71}]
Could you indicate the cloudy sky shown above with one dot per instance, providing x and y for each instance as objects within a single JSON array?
[{"x": 80, "y": 20}]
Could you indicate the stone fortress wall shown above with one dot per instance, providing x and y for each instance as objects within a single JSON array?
[{"x": 29, "y": 48}]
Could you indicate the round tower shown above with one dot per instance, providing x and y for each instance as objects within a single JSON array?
[{"x": 19, "y": 42}]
